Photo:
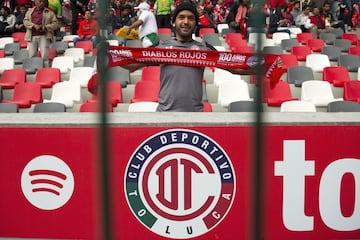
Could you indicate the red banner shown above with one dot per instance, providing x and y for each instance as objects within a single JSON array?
[{"x": 181, "y": 183}]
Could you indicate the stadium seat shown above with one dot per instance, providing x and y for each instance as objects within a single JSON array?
[
  {"x": 64, "y": 63},
  {"x": 352, "y": 91},
  {"x": 86, "y": 45},
  {"x": 304, "y": 37},
  {"x": 31, "y": 65},
  {"x": 328, "y": 38},
  {"x": 49, "y": 107},
  {"x": 297, "y": 106},
  {"x": 26, "y": 94},
  {"x": 1, "y": 93},
  {"x": 272, "y": 50},
  {"x": 143, "y": 107},
  {"x": 242, "y": 49},
  {"x": 2, "y": 53},
  {"x": 150, "y": 73},
  {"x": 89, "y": 61},
  {"x": 11, "y": 77},
  {"x": 243, "y": 106},
  {"x": 222, "y": 26},
  {"x": 355, "y": 50},
  {"x": 352, "y": 37},
  {"x": 20, "y": 55},
  {"x": 287, "y": 44},
  {"x": 134, "y": 43},
  {"x": 52, "y": 54},
  {"x": 277, "y": 95},
  {"x": 81, "y": 75},
  {"x": 145, "y": 91},
  {"x": 9, "y": 108},
  {"x": 336, "y": 75},
  {"x": 343, "y": 44},
  {"x": 289, "y": 60},
  {"x": 253, "y": 38},
  {"x": 203, "y": 31},
  {"x": 94, "y": 107},
  {"x": 338, "y": 32},
  {"x": 301, "y": 52},
  {"x": 351, "y": 62},
  {"x": 6, "y": 63},
  {"x": 20, "y": 38},
  {"x": 279, "y": 36},
  {"x": 233, "y": 37},
  {"x": 119, "y": 74},
  {"x": 315, "y": 45},
  {"x": 298, "y": 74},
  {"x": 317, "y": 62},
  {"x": 47, "y": 77},
  {"x": 232, "y": 91},
  {"x": 212, "y": 39},
  {"x": 343, "y": 106},
  {"x": 114, "y": 94},
  {"x": 112, "y": 42},
  {"x": 69, "y": 39},
  {"x": 164, "y": 31},
  {"x": 318, "y": 92},
  {"x": 65, "y": 92},
  {"x": 207, "y": 107},
  {"x": 221, "y": 75},
  {"x": 60, "y": 46},
  {"x": 5, "y": 40},
  {"x": 77, "y": 54},
  {"x": 332, "y": 52},
  {"x": 10, "y": 48}
]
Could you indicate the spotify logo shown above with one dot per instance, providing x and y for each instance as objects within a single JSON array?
[{"x": 47, "y": 182}]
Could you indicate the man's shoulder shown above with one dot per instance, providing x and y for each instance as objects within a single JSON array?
[{"x": 173, "y": 43}]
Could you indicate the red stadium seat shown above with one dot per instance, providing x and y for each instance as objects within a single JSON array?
[
  {"x": 150, "y": 73},
  {"x": 304, "y": 37},
  {"x": 277, "y": 95},
  {"x": 355, "y": 50},
  {"x": 301, "y": 52},
  {"x": 164, "y": 31},
  {"x": 114, "y": 94},
  {"x": 26, "y": 94},
  {"x": 336, "y": 75},
  {"x": 289, "y": 60},
  {"x": 11, "y": 77},
  {"x": 87, "y": 45},
  {"x": 233, "y": 37},
  {"x": 352, "y": 91},
  {"x": 47, "y": 77},
  {"x": 146, "y": 91},
  {"x": 315, "y": 45},
  {"x": 93, "y": 107},
  {"x": 20, "y": 38},
  {"x": 2, "y": 53},
  {"x": 207, "y": 107},
  {"x": 203, "y": 31},
  {"x": 350, "y": 36}
]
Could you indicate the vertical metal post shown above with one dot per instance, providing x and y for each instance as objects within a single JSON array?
[
  {"x": 104, "y": 142},
  {"x": 258, "y": 128}
]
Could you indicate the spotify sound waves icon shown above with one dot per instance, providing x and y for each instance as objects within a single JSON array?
[{"x": 47, "y": 182}]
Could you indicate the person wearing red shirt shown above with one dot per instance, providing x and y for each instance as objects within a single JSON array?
[{"x": 88, "y": 29}]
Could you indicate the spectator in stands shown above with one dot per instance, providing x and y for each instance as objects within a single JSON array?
[
  {"x": 124, "y": 19},
  {"x": 181, "y": 86},
  {"x": 238, "y": 18},
  {"x": 56, "y": 7},
  {"x": 27, "y": 3},
  {"x": 301, "y": 20},
  {"x": 317, "y": 23},
  {"x": 222, "y": 16},
  {"x": 117, "y": 6},
  {"x": 78, "y": 7},
  {"x": 329, "y": 17},
  {"x": 88, "y": 29},
  {"x": 219, "y": 4},
  {"x": 205, "y": 20},
  {"x": 163, "y": 9},
  {"x": 11, "y": 4},
  {"x": 66, "y": 13},
  {"x": 40, "y": 23},
  {"x": 295, "y": 12},
  {"x": 19, "y": 23},
  {"x": 146, "y": 23},
  {"x": 7, "y": 22},
  {"x": 345, "y": 13},
  {"x": 277, "y": 21}
]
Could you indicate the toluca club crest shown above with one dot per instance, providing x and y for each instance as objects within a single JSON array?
[{"x": 180, "y": 183}]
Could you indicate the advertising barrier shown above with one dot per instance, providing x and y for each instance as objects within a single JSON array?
[{"x": 180, "y": 182}]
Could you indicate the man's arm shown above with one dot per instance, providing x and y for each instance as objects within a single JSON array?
[{"x": 135, "y": 25}]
